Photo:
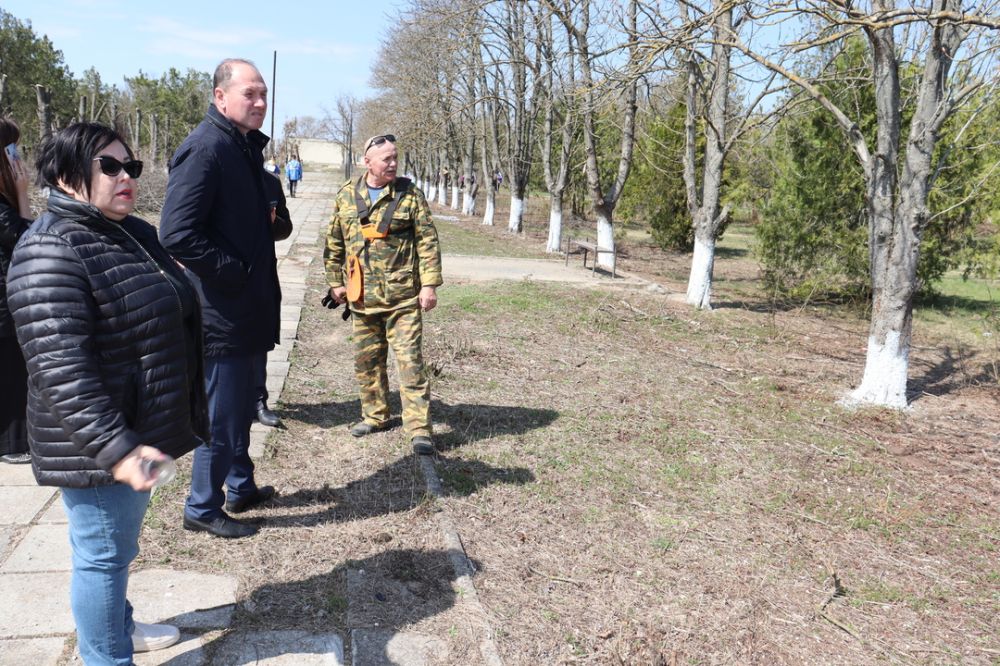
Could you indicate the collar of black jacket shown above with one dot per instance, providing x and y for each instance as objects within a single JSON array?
[
  {"x": 255, "y": 138},
  {"x": 67, "y": 207}
]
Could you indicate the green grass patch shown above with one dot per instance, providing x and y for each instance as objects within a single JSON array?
[{"x": 467, "y": 238}]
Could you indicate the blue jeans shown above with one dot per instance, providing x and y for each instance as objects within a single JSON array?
[
  {"x": 231, "y": 385},
  {"x": 104, "y": 525}
]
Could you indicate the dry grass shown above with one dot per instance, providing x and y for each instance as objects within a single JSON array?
[{"x": 636, "y": 483}]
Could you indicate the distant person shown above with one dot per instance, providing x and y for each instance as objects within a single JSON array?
[
  {"x": 272, "y": 168},
  {"x": 116, "y": 373},
  {"x": 216, "y": 221},
  {"x": 293, "y": 171},
  {"x": 384, "y": 223},
  {"x": 281, "y": 228},
  {"x": 15, "y": 214}
]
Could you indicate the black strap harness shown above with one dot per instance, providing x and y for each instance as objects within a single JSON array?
[{"x": 400, "y": 187}]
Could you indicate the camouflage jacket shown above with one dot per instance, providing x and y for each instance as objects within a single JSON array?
[{"x": 396, "y": 267}]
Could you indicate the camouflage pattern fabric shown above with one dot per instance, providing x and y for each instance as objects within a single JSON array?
[
  {"x": 373, "y": 333},
  {"x": 394, "y": 271},
  {"x": 396, "y": 267}
]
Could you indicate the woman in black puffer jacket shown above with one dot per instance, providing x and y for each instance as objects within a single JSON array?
[
  {"x": 14, "y": 214},
  {"x": 111, "y": 332}
]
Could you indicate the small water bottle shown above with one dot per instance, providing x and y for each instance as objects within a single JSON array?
[{"x": 160, "y": 471}]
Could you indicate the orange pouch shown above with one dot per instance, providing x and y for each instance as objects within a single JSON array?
[
  {"x": 355, "y": 279},
  {"x": 371, "y": 232}
]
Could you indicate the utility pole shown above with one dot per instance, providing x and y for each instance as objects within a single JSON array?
[{"x": 274, "y": 74}]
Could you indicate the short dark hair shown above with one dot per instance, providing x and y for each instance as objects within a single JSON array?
[
  {"x": 224, "y": 71},
  {"x": 9, "y": 133},
  {"x": 67, "y": 155}
]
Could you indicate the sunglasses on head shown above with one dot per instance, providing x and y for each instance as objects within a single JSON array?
[
  {"x": 112, "y": 167},
  {"x": 379, "y": 140}
]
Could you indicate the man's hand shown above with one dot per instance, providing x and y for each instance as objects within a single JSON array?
[
  {"x": 427, "y": 298},
  {"x": 338, "y": 294}
]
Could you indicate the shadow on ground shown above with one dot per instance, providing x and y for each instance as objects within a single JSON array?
[
  {"x": 466, "y": 423},
  {"x": 956, "y": 369},
  {"x": 390, "y": 590},
  {"x": 394, "y": 488}
]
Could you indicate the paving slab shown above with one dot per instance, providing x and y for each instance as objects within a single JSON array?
[
  {"x": 36, "y": 651},
  {"x": 7, "y": 533},
  {"x": 55, "y": 514},
  {"x": 278, "y": 368},
  {"x": 16, "y": 475},
  {"x": 384, "y": 647},
  {"x": 43, "y": 548},
  {"x": 257, "y": 440},
  {"x": 185, "y": 599},
  {"x": 22, "y": 503},
  {"x": 42, "y": 603},
  {"x": 279, "y": 648}
]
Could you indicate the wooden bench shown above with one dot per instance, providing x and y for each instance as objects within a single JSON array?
[{"x": 574, "y": 246}]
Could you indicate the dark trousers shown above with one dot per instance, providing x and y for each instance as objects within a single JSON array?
[
  {"x": 231, "y": 384},
  {"x": 260, "y": 381},
  {"x": 292, "y": 184},
  {"x": 13, "y": 398}
]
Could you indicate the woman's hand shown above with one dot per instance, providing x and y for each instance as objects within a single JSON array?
[{"x": 128, "y": 470}]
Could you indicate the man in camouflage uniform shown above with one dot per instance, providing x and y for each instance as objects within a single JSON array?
[{"x": 401, "y": 271}]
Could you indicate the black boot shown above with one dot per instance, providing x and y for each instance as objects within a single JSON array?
[{"x": 266, "y": 417}]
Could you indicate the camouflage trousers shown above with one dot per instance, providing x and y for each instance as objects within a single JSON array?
[{"x": 373, "y": 333}]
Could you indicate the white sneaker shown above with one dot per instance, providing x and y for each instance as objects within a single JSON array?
[{"x": 149, "y": 637}]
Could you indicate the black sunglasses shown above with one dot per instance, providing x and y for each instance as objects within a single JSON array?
[
  {"x": 112, "y": 167},
  {"x": 379, "y": 140}
]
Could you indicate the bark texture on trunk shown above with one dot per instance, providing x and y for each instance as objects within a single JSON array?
[
  {"x": 705, "y": 215},
  {"x": 897, "y": 210}
]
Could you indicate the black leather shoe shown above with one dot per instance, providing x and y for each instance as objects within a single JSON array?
[
  {"x": 364, "y": 428},
  {"x": 264, "y": 493},
  {"x": 223, "y": 526},
  {"x": 422, "y": 446},
  {"x": 266, "y": 417}
]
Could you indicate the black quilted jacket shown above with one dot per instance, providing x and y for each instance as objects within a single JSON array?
[
  {"x": 12, "y": 226},
  {"x": 106, "y": 344}
]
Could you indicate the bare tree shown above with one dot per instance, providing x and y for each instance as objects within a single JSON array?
[
  {"x": 340, "y": 126},
  {"x": 935, "y": 38},
  {"x": 558, "y": 114},
  {"x": 577, "y": 19}
]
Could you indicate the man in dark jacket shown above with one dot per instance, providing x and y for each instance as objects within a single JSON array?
[{"x": 216, "y": 222}]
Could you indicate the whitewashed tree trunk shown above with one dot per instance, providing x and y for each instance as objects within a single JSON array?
[
  {"x": 454, "y": 197},
  {"x": 705, "y": 216},
  {"x": 489, "y": 215},
  {"x": 605, "y": 238},
  {"x": 555, "y": 223},
  {"x": 699, "y": 290},
  {"x": 886, "y": 364},
  {"x": 442, "y": 192},
  {"x": 516, "y": 215}
]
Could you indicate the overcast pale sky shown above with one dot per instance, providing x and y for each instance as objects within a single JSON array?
[{"x": 324, "y": 48}]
